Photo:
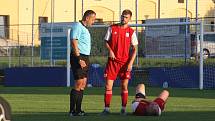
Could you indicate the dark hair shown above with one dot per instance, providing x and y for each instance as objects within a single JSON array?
[
  {"x": 88, "y": 13},
  {"x": 126, "y": 12}
]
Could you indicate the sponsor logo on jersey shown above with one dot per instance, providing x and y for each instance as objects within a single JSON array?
[{"x": 127, "y": 34}]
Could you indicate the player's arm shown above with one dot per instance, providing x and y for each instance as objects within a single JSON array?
[
  {"x": 134, "y": 43},
  {"x": 132, "y": 58},
  {"x": 74, "y": 35},
  {"x": 74, "y": 45},
  {"x": 111, "y": 53},
  {"x": 107, "y": 38},
  {"x": 76, "y": 52}
]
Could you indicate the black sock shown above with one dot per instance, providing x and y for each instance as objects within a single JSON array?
[
  {"x": 73, "y": 99},
  {"x": 79, "y": 101}
]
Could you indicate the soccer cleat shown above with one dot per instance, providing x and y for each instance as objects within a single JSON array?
[
  {"x": 122, "y": 112},
  {"x": 105, "y": 112},
  {"x": 81, "y": 113},
  {"x": 72, "y": 113}
]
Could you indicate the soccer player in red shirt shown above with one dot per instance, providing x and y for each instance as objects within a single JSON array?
[
  {"x": 143, "y": 107},
  {"x": 121, "y": 42}
]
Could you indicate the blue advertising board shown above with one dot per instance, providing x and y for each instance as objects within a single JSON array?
[{"x": 54, "y": 46}]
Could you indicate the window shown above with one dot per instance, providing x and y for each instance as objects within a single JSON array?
[
  {"x": 212, "y": 26},
  {"x": 209, "y": 37},
  {"x": 43, "y": 20},
  {"x": 4, "y": 26},
  {"x": 180, "y": 1},
  {"x": 99, "y": 21}
]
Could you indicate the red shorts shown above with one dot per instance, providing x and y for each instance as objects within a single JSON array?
[
  {"x": 114, "y": 69},
  {"x": 160, "y": 102}
]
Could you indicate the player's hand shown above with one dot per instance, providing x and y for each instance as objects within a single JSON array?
[
  {"x": 82, "y": 63},
  {"x": 129, "y": 68},
  {"x": 112, "y": 55}
]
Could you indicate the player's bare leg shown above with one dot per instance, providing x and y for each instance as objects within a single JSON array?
[
  {"x": 157, "y": 106},
  {"x": 84, "y": 83},
  {"x": 124, "y": 95},
  {"x": 140, "y": 89},
  {"x": 79, "y": 84},
  {"x": 164, "y": 95},
  {"x": 107, "y": 96}
]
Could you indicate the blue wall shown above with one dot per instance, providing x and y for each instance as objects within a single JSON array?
[
  {"x": 35, "y": 76},
  {"x": 179, "y": 77},
  {"x": 182, "y": 77}
]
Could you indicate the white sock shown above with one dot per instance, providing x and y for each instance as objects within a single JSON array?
[
  {"x": 123, "y": 108},
  {"x": 107, "y": 108}
]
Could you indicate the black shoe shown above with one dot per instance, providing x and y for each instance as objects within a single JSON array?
[
  {"x": 81, "y": 113},
  {"x": 105, "y": 112},
  {"x": 122, "y": 112},
  {"x": 72, "y": 113}
]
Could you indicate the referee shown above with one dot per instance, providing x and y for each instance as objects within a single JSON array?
[{"x": 81, "y": 45}]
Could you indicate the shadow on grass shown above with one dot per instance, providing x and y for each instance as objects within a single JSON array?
[
  {"x": 174, "y": 92},
  {"x": 167, "y": 116}
]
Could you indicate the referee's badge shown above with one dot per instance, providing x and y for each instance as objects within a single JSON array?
[{"x": 127, "y": 34}]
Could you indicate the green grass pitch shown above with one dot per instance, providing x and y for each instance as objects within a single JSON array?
[{"x": 52, "y": 104}]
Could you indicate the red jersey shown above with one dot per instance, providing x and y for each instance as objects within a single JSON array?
[
  {"x": 139, "y": 108},
  {"x": 120, "y": 40}
]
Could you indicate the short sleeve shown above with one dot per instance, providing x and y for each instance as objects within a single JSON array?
[
  {"x": 108, "y": 34},
  {"x": 134, "y": 40},
  {"x": 75, "y": 31}
]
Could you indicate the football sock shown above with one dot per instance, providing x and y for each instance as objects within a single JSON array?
[
  {"x": 107, "y": 97},
  {"x": 73, "y": 100},
  {"x": 107, "y": 108},
  {"x": 124, "y": 97},
  {"x": 123, "y": 108},
  {"x": 79, "y": 100}
]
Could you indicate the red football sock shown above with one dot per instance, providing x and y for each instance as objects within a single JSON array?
[
  {"x": 124, "y": 97},
  {"x": 107, "y": 99}
]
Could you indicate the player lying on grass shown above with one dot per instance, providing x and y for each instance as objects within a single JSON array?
[{"x": 144, "y": 107}]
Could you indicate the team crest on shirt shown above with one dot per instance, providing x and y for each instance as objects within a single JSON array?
[{"x": 127, "y": 34}]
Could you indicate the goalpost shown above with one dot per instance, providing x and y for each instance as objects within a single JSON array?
[
  {"x": 68, "y": 59},
  {"x": 150, "y": 25},
  {"x": 201, "y": 32}
]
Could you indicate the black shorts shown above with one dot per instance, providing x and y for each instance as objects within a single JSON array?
[{"x": 78, "y": 72}]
